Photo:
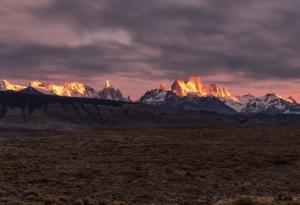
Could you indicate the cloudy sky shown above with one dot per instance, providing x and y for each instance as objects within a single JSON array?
[{"x": 246, "y": 45}]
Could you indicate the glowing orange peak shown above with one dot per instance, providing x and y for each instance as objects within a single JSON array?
[
  {"x": 194, "y": 86},
  {"x": 74, "y": 88},
  {"x": 107, "y": 84}
]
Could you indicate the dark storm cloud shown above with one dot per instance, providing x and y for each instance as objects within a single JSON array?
[
  {"x": 88, "y": 60},
  {"x": 249, "y": 38}
]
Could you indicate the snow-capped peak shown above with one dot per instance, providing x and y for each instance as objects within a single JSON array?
[{"x": 271, "y": 103}]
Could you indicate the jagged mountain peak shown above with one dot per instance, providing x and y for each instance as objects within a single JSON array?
[
  {"x": 194, "y": 87},
  {"x": 271, "y": 97},
  {"x": 184, "y": 88},
  {"x": 111, "y": 93},
  {"x": 292, "y": 100},
  {"x": 30, "y": 90},
  {"x": 107, "y": 84},
  {"x": 157, "y": 97}
]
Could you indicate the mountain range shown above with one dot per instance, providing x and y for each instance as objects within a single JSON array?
[
  {"x": 190, "y": 95},
  {"x": 186, "y": 95},
  {"x": 73, "y": 89}
]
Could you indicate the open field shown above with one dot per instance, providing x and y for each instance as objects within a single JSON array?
[{"x": 148, "y": 165}]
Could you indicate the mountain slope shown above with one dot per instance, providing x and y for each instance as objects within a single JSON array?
[
  {"x": 30, "y": 90},
  {"x": 237, "y": 103}
]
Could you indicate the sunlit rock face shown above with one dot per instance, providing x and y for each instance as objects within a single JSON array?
[
  {"x": 6, "y": 85},
  {"x": 73, "y": 89},
  {"x": 194, "y": 87},
  {"x": 57, "y": 89}
]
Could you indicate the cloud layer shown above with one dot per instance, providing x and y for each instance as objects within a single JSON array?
[{"x": 150, "y": 39}]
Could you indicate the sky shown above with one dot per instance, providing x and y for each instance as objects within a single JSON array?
[{"x": 248, "y": 46}]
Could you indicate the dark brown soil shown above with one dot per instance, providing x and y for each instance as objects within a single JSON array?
[{"x": 154, "y": 165}]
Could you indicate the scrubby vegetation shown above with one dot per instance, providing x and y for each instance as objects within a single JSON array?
[{"x": 199, "y": 164}]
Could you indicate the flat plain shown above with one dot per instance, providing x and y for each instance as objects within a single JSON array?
[{"x": 196, "y": 164}]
